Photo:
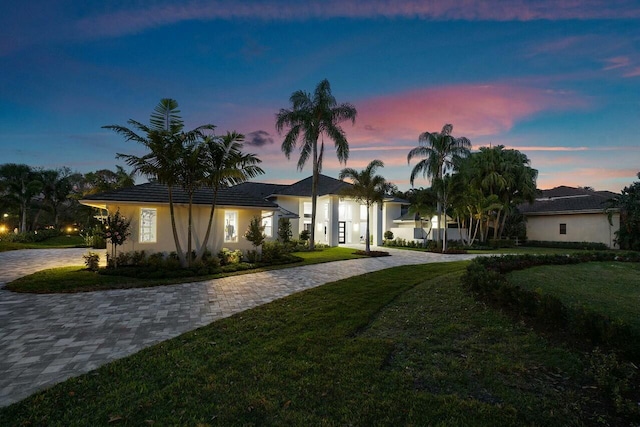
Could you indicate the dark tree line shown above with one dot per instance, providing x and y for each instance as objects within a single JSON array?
[{"x": 33, "y": 198}]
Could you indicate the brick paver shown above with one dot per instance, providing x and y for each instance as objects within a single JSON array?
[{"x": 45, "y": 339}]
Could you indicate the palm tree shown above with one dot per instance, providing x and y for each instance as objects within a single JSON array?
[
  {"x": 56, "y": 189},
  {"x": 440, "y": 151},
  {"x": 423, "y": 204},
  {"x": 311, "y": 118},
  {"x": 19, "y": 184},
  {"x": 225, "y": 165},
  {"x": 165, "y": 139},
  {"x": 505, "y": 174},
  {"x": 367, "y": 188}
]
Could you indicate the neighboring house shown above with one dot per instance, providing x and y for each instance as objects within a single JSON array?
[
  {"x": 567, "y": 214},
  {"x": 339, "y": 219}
]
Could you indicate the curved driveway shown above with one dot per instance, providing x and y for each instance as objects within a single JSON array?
[{"x": 45, "y": 339}]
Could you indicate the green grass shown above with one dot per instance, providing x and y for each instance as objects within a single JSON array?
[
  {"x": 610, "y": 288},
  {"x": 78, "y": 279},
  {"x": 54, "y": 242},
  {"x": 403, "y": 346}
]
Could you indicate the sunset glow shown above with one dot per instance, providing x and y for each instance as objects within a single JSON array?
[{"x": 557, "y": 80}]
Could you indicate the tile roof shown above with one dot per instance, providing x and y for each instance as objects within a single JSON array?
[
  {"x": 326, "y": 185},
  {"x": 153, "y": 192},
  {"x": 565, "y": 199}
]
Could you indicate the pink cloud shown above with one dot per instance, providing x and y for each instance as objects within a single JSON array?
[
  {"x": 617, "y": 62},
  {"x": 635, "y": 72},
  {"x": 135, "y": 20},
  {"x": 474, "y": 111}
]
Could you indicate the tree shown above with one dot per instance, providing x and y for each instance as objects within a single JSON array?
[
  {"x": 225, "y": 165},
  {"x": 104, "y": 180},
  {"x": 310, "y": 118},
  {"x": 505, "y": 174},
  {"x": 628, "y": 202},
  {"x": 57, "y": 186},
  {"x": 440, "y": 151},
  {"x": 423, "y": 203},
  {"x": 19, "y": 184},
  {"x": 255, "y": 232},
  {"x": 367, "y": 188},
  {"x": 284, "y": 230},
  {"x": 165, "y": 138}
]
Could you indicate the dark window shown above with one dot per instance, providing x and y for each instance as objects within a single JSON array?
[
  {"x": 404, "y": 209},
  {"x": 563, "y": 228}
]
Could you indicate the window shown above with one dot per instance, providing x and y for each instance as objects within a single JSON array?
[
  {"x": 148, "y": 225},
  {"x": 267, "y": 223},
  {"x": 231, "y": 226},
  {"x": 563, "y": 228},
  {"x": 306, "y": 209}
]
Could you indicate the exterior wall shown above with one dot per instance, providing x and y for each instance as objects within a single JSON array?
[
  {"x": 164, "y": 235},
  {"x": 580, "y": 228}
]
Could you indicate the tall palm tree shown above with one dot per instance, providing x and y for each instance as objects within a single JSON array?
[
  {"x": 440, "y": 151},
  {"x": 165, "y": 139},
  {"x": 312, "y": 117},
  {"x": 367, "y": 188},
  {"x": 19, "y": 184},
  {"x": 225, "y": 165}
]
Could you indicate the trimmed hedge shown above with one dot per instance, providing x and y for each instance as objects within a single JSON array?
[
  {"x": 485, "y": 278},
  {"x": 589, "y": 246}
]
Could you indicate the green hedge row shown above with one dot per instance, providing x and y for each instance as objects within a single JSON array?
[
  {"x": 485, "y": 278},
  {"x": 589, "y": 246}
]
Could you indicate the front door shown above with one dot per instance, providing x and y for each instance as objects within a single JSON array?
[{"x": 342, "y": 225}]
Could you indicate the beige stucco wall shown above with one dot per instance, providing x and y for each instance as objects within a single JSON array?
[
  {"x": 165, "y": 242},
  {"x": 592, "y": 227}
]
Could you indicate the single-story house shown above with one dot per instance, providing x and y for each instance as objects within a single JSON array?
[
  {"x": 339, "y": 219},
  {"x": 567, "y": 214}
]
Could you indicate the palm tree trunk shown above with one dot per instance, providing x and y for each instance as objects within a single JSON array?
[
  {"x": 181, "y": 256},
  {"x": 496, "y": 224},
  {"x": 314, "y": 197},
  {"x": 189, "y": 229},
  {"x": 367, "y": 245},
  {"x": 203, "y": 247}
]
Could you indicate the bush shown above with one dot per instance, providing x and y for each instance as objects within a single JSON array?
[
  {"x": 388, "y": 235},
  {"x": 273, "y": 251},
  {"x": 589, "y": 246},
  {"x": 31, "y": 236},
  {"x": 92, "y": 261},
  {"x": 227, "y": 256},
  {"x": 305, "y": 235},
  {"x": 485, "y": 278},
  {"x": 284, "y": 230},
  {"x": 501, "y": 243}
]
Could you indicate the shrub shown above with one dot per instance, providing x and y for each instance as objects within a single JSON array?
[
  {"x": 501, "y": 243},
  {"x": 255, "y": 232},
  {"x": 227, "y": 256},
  {"x": 388, "y": 235},
  {"x": 273, "y": 251},
  {"x": 305, "y": 235},
  {"x": 284, "y": 230},
  {"x": 590, "y": 246},
  {"x": 92, "y": 261},
  {"x": 485, "y": 278}
]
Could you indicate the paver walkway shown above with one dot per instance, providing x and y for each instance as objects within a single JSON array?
[{"x": 45, "y": 339}]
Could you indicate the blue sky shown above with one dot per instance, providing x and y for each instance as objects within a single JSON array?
[{"x": 558, "y": 80}]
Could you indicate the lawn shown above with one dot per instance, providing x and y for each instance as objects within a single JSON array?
[
  {"x": 611, "y": 288},
  {"x": 78, "y": 279},
  {"x": 403, "y": 346},
  {"x": 54, "y": 242}
]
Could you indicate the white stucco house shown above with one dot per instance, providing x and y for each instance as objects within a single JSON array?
[
  {"x": 339, "y": 219},
  {"x": 567, "y": 214}
]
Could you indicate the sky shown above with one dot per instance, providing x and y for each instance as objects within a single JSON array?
[{"x": 558, "y": 80}]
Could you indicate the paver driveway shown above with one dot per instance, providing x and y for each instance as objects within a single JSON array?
[{"x": 45, "y": 339}]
